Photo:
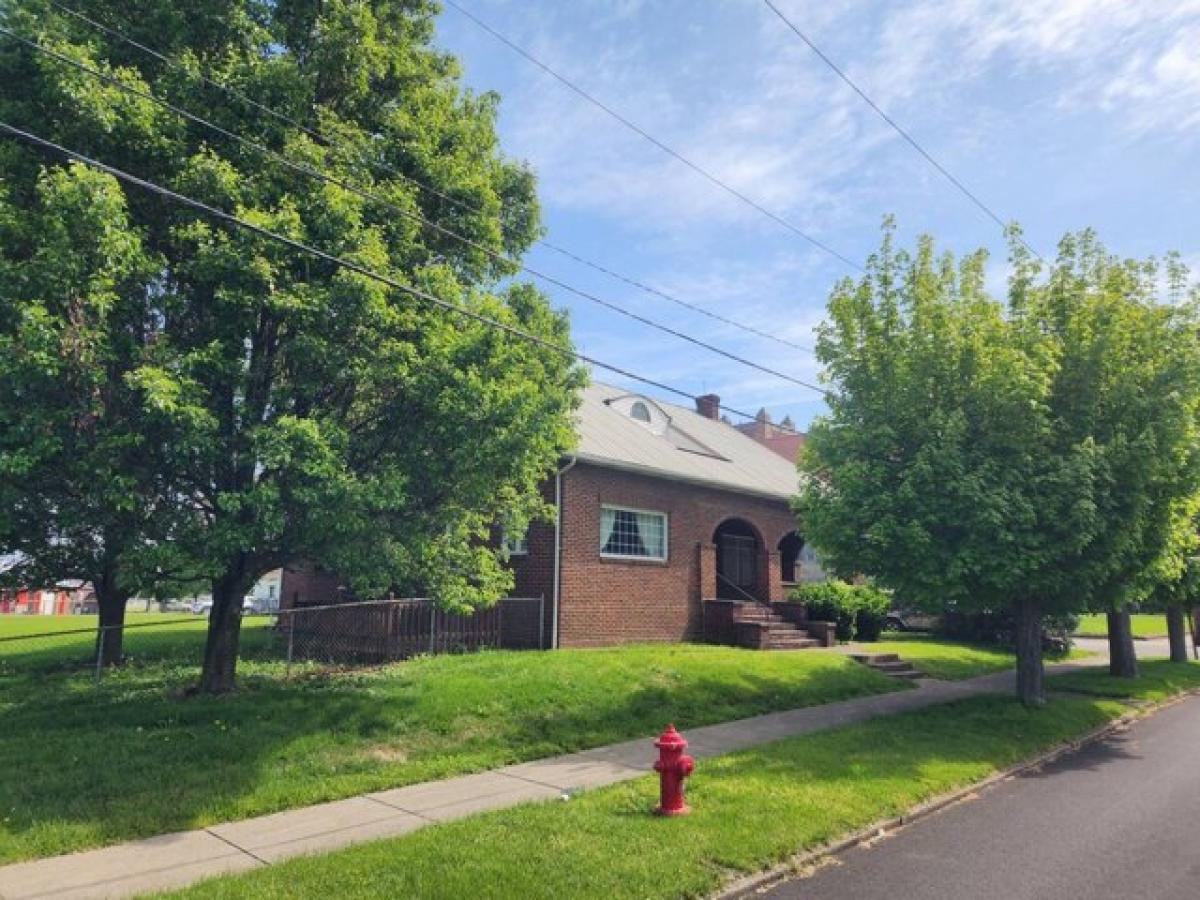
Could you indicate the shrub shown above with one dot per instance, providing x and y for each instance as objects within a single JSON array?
[
  {"x": 857, "y": 609},
  {"x": 874, "y": 604}
]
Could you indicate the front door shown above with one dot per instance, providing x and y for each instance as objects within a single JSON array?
[{"x": 737, "y": 567}]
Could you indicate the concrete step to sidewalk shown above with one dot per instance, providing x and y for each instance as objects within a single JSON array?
[
  {"x": 898, "y": 665},
  {"x": 889, "y": 664}
]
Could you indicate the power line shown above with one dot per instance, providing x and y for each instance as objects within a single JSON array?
[
  {"x": 326, "y": 141},
  {"x": 717, "y": 317},
  {"x": 456, "y": 308},
  {"x": 641, "y": 132},
  {"x": 409, "y": 214},
  {"x": 892, "y": 122}
]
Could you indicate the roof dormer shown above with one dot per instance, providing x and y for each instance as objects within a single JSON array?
[{"x": 644, "y": 411}]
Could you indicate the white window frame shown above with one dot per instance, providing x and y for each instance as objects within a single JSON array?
[
  {"x": 666, "y": 520},
  {"x": 515, "y": 546}
]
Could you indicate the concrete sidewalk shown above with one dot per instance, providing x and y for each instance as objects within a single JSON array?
[{"x": 175, "y": 860}]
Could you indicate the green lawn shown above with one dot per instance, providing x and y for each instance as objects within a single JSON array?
[
  {"x": 1157, "y": 680},
  {"x": 85, "y": 765},
  {"x": 1145, "y": 625},
  {"x": 949, "y": 660},
  {"x": 63, "y": 643},
  {"x": 751, "y": 809}
]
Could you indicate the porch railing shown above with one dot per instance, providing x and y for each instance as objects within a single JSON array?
[{"x": 746, "y": 594}]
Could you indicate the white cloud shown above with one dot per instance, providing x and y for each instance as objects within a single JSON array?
[
  {"x": 1103, "y": 54},
  {"x": 978, "y": 82},
  {"x": 757, "y": 109}
]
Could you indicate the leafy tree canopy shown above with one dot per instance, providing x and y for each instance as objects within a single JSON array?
[
  {"x": 296, "y": 409},
  {"x": 980, "y": 452}
]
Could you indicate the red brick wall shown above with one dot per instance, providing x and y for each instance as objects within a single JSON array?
[
  {"x": 304, "y": 584},
  {"x": 534, "y": 572},
  {"x": 609, "y": 601}
]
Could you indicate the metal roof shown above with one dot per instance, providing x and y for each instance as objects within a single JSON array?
[{"x": 727, "y": 459}]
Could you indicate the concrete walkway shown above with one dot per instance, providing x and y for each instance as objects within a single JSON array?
[{"x": 175, "y": 860}]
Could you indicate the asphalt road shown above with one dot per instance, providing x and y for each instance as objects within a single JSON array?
[{"x": 1120, "y": 819}]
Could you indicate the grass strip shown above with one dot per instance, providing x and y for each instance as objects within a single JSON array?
[
  {"x": 751, "y": 810},
  {"x": 1158, "y": 680}
]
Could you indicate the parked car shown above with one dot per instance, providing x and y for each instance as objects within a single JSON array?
[
  {"x": 202, "y": 606},
  {"x": 259, "y": 605},
  {"x": 904, "y": 619}
]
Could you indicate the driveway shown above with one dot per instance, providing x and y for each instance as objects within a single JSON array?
[{"x": 1114, "y": 821}]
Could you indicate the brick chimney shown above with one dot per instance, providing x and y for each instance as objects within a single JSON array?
[{"x": 709, "y": 406}]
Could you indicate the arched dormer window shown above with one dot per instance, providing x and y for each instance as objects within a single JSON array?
[{"x": 644, "y": 411}]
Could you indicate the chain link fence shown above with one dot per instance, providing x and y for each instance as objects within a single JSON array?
[
  {"x": 369, "y": 633},
  {"x": 360, "y": 633}
]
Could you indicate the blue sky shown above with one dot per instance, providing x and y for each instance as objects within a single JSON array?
[{"x": 1057, "y": 113}]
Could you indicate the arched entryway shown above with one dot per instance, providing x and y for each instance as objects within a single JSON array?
[
  {"x": 790, "y": 548},
  {"x": 739, "y": 552}
]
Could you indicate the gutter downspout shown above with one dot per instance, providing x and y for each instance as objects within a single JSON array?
[{"x": 558, "y": 550}]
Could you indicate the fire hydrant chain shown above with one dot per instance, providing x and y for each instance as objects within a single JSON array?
[{"x": 672, "y": 766}]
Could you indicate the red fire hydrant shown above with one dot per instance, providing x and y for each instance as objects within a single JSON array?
[{"x": 672, "y": 767}]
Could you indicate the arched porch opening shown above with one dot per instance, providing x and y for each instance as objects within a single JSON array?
[
  {"x": 739, "y": 556},
  {"x": 791, "y": 546}
]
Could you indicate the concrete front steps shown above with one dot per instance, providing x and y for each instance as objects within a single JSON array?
[
  {"x": 761, "y": 629},
  {"x": 889, "y": 664}
]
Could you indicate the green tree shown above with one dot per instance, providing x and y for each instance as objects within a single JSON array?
[
  {"x": 976, "y": 457},
  {"x": 1127, "y": 386},
  {"x": 1177, "y": 599},
  {"x": 314, "y": 413},
  {"x": 78, "y": 476}
]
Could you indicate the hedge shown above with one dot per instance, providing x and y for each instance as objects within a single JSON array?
[{"x": 859, "y": 610}]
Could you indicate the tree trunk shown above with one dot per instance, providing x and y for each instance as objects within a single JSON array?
[
  {"x": 1031, "y": 681},
  {"x": 1177, "y": 632},
  {"x": 224, "y": 632},
  {"x": 1122, "y": 660},
  {"x": 110, "y": 634}
]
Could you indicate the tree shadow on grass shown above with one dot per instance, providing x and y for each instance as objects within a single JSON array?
[
  {"x": 987, "y": 731},
  {"x": 84, "y": 764},
  {"x": 702, "y": 700}
]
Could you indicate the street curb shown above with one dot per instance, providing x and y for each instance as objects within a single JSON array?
[{"x": 747, "y": 884}]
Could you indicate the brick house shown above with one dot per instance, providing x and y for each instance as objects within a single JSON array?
[
  {"x": 669, "y": 525},
  {"x": 788, "y": 442},
  {"x": 783, "y": 438}
]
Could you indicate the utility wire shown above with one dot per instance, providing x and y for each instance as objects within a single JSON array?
[
  {"x": 837, "y": 70},
  {"x": 349, "y": 265},
  {"x": 430, "y": 189},
  {"x": 665, "y": 148},
  {"x": 409, "y": 214}
]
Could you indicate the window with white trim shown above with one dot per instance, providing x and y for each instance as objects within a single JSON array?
[
  {"x": 633, "y": 533},
  {"x": 515, "y": 545}
]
